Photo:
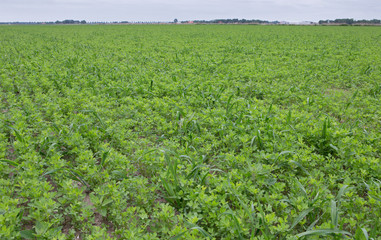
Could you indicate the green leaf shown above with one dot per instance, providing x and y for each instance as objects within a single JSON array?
[
  {"x": 178, "y": 236},
  {"x": 121, "y": 174},
  {"x": 52, "y": 171},
  {"x": 334, "y": 213},
  {"x": 301, "y": 187},
  {"x": 145, "y": 153},
  {"x": 365, "y": 233},
  {"x": 300, "y": 166},
  {"x": 374, "y": 197},
  {"x": 18, "y": 135},
  {"x": 300, "y": 217},
  {"x": 246, "y": 208},
  {"x": 77, "y": 176},
  {"x": 27, "y": 234},
  {"x": 107, "y": 202},
  {"x": 289, "y": 117},
  {"x": 104, "y": 157},
  {"x": 236, "y": 223},
  {"x": 202, "y": 231},
  {"x": 103, "y": 212},
  {"x": 361, "y": 234},
  {"x": 15, "y": 164},
  {"x": 334, "y": 147},
  {"x": 324, "y": 131},
  {"x": 351, "y": 100},
  {"x": 341, "y": 192},
  {"x": 42, "y": 227},
  {"x": 316, "y": 221},
  {"x": 322, "y": 232},
  {"x": 285, "y": 152}
]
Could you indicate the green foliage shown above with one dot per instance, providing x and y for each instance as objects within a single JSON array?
[{"x": 195, "y": 132}]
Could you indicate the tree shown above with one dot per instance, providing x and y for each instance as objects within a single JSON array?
[{"x": 175, "y": 21}]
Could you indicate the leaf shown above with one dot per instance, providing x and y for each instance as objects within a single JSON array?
[
  {"x": 262, "y": 214},
  {"x": 153, "y": 150},
  {"x": 178, "y": 236},
  {"x": 120, "y": 174},
  {"x": 334, "y": 213},
  {"x": 15, "y": 164},
  {"x": 235, "y": 220},
  {"x": 366, "y": 186},
  {"x": 246, "y": 208},
  {"x": 204, "y": 178},
  {"x": 289, "y": 117},
  {"x": 18, "y": 135},
  {"x": 361, "y": 234},
  {"x": 202, "y": 231},
  {"x": 300, "y": 166},
  {"x": 300, "y": 217},
  {"x": 252, "y": 141},
  {"x": 342, "y": 191},
  {"x": 259, "y": 140},
  {"x": 195, "y": 170},
  {"x": 20, "y": 215},
  {"x": 285, "y": 152},
  {"x": 301, "y": 187},
  {"x": 314, "y": 223},
  {"x": 270, "y": 181},
  {"x": 52, "y": 171},
  {"x": 351, "y": 100},
  {"x": 322, "y": 232},
  {"x": 77, "y": 176},
  {"x": 107, "y": 202},
  {"x": 365, "y": 233},
  {"x": 42, "y": 227},
  {"x": 27, "y": 234},
  {"x": 99, "y": 119},
  {"x": 103, "y": 212},
  {"x": 374, "y": 197},
  {"x": 104, "y": 157},
  {"x": 95, "y": 114},
  {"x": 324, "y": 131},
  {"x": 334, "y": 147}
]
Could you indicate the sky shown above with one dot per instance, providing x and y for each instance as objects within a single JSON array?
[{"x": 168, "y": 10}]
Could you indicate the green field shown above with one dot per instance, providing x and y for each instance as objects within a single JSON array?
[{"x": 190, "y": 132}]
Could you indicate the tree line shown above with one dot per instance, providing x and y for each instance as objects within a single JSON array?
[
  {"x": 232, "y": 21},
  {"x": 350, "y": 21},
  {"x": 339, "y": 21},
  {"x": 70, "y": 21}
]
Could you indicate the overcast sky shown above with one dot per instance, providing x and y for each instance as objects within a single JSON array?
[{"x": 167, "y": 10}]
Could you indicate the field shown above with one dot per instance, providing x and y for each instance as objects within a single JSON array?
[{"x": 190, "y": 132}]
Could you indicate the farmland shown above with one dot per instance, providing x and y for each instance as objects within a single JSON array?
[{"x": 190, "y": 132}]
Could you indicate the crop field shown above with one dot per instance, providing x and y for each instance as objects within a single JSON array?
[{"x": 190, "y": 132}]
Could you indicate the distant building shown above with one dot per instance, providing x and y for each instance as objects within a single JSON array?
[{"x": 306, "y": 23}]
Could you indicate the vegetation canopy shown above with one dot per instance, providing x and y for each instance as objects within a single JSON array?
[{"x": 190, "y": 132}]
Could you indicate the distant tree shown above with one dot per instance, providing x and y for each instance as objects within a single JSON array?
[
  {"x": 348, "y": 21},
  {"x": 175, "y": 21},
  {"x": 375, "y": 21},
  {"x": 83, "y": 22}
]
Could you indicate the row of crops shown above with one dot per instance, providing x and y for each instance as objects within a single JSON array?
[{"x": 190, "y": 132}]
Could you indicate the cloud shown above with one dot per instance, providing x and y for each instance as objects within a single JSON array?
[{"x": 166, "y": 10}]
